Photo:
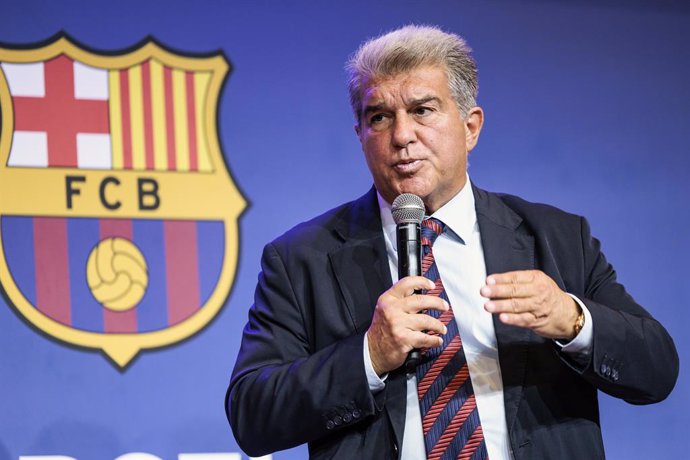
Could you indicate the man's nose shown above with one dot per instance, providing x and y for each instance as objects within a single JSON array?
[{"x": 403, "y": 131}]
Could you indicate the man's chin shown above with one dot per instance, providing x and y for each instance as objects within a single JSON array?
[
  {"x": 422, "y": 191},
  {"x": 408, "y": 186}
]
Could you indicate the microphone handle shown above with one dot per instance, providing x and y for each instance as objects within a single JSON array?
[{"x": 409, "y": 237}]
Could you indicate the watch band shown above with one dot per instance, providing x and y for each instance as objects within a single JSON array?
[{"x": 579, "y": 322}]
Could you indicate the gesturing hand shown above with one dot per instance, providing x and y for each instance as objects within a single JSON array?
[
  {"x": 531, "y": 299},
  {"x": 396, "y": 328}
]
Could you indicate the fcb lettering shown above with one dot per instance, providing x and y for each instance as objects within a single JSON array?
[
  {"x": 147, "y": 192},
  {"x": 114, "y": 194}
]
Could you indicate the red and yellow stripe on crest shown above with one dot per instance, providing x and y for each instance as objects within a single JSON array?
[{"x": 156, "y": 118}]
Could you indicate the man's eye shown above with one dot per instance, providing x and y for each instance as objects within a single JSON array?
[
  {"x": 378, "y": 118},
  {"x": 422, "y": 111}
]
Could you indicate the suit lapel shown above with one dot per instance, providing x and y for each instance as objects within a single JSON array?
[
  {"x": 362, "y": 272},
  {"x": 507, "y": 247},
  {"x": 361, "y": 263}
]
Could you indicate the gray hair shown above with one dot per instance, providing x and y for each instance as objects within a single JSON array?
[{"x": 408, "y": 48}]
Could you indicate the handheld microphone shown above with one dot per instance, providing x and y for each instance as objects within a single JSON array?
[{"x": 408, "y": 212}]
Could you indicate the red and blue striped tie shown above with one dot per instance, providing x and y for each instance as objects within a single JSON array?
[{"x": 450, "y": 420}]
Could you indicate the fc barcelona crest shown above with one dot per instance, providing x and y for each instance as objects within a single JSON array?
[{"x": 118, "y": 216}]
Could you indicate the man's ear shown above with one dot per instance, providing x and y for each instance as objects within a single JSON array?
[
  {"x": 473, "y": 126},
  {"x": 358, "y": 130}
]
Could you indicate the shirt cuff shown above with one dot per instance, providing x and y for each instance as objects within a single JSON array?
[
  {"x": 376, "y": 383},
  {"x": 582, "y": 343}
]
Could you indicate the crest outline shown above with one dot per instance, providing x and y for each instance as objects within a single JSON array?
[{"x": 122, "y": 348}]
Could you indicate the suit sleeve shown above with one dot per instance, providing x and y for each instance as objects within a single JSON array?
[
  {"x": 283, "y": 392},
  {"x": 633, "y": 356}
]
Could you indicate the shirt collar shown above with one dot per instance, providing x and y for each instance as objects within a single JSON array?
[{"x": 458, "y": 214}]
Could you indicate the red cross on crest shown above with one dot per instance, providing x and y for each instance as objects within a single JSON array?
[{"x": 60, "y": 114}]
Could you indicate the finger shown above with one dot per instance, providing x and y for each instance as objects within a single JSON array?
[
  {"x": 518, "y": 276},
  {"x": 428, "y": 324},
  {"x": 407, "y": 285},
  {"x": 417, "y": 303},
  {"x": 513, "y": 305},
  {"x": 507, "y": 291},
  {"x": 423, "y": 340},
  {"x": 526, "y": 320}
]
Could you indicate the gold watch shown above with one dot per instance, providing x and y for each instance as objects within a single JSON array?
[{"x": 579, "y": 322}]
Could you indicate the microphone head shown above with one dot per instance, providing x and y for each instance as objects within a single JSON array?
[{"x": 408, "y": 209}]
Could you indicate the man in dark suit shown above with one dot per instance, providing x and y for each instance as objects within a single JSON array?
[{"x": 526, "y": 320}]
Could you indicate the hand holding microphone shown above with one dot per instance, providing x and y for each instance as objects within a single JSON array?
[{"x": 397, "y": 332}]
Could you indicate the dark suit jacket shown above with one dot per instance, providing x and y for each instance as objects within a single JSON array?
[{"x": 300, "y": 377}]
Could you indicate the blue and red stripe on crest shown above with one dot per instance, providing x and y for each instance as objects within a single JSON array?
[{"x": 47, "y": 259}]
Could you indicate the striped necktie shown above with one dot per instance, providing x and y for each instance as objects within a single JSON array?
[{"x": 450, "y": 420}]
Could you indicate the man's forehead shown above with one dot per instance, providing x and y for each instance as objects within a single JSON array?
[{"x": 408, "y": 87}]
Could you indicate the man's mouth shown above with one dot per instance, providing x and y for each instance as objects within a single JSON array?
[{"x": 407, "y": 166}]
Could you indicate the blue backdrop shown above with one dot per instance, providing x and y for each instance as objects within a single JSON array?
[{"x": 587, "y": 107}]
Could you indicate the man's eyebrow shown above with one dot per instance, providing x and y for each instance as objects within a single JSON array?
[
  {"x": 423, "y": 100},
  {"x": 372, "y": 108},
  {"x": 412, "y": 103}
]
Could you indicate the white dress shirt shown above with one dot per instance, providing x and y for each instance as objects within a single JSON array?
[{"x": 460, "y": 259}]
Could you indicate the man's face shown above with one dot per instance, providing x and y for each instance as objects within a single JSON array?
[{"x": 414, "y": 137}]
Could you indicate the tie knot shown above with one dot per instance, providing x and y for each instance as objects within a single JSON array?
[{"x": 431, "y": 229}]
